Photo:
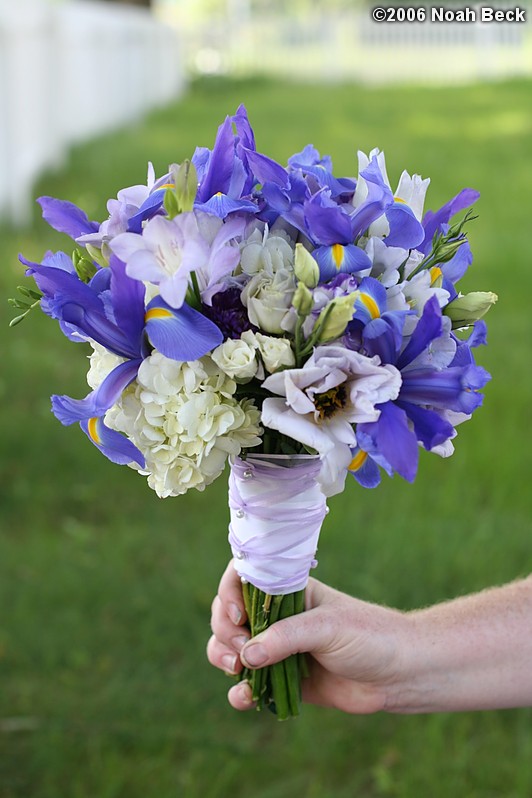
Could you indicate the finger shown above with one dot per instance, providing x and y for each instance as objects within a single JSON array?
[
  {"x": 224, "y": 629},
  {"x": 230, "y": 592},
  {"x": 239, "y": 696},
  {"x": 223, "y": 657},
  {"x": 311, "y": 631}
]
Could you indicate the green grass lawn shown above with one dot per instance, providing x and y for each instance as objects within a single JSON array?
[{"x": 105, "y": 590}]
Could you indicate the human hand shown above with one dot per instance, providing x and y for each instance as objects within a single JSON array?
[{"x": 355, "y": 646}]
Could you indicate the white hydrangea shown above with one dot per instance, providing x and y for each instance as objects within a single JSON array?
[
  {"x": 102, "y": 363},
  {"x": 186, "y": 422}
]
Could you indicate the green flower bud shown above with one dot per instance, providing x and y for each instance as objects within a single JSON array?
[
  {"x": 97, "y": 255},
  {"x": 302, "y": 300},
  {"x": 186, "y": 185},
  {"x": 335, "y": 317},
  {"x": 305, "y": 267},
  {"x": 465, "y": 310},
  {"x": 85, "y": 268}
]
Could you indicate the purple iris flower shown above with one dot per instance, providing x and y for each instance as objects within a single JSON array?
[
  {"x": 228, "y": 174},
  {"x": 416, "y": 414},
  {"x": 110, "y": 310}
]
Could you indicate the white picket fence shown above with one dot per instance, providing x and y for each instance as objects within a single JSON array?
[
  {"x": 71, "y": 70},
  {"x": 335, "y": 45}
]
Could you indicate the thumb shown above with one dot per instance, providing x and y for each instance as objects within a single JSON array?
[{"x": 304, "y": 632}]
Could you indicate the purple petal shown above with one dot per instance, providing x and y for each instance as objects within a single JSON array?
[
  {"x": 112, "y": 444},
  {"x": 405, "y": 230},
  {"x": 219, "y": 170},
  {"x": 96, "y": 403},
  {"x": 221, "y": 205},
  {"x": 183, "y": 334},
  {"x": 430, "y": 428},
  {"x": 433, "y": 221},
  {"x": 426, "y": 330},
  {"x": 66, "y": 217},
  {"x": 394, "y": 440}
]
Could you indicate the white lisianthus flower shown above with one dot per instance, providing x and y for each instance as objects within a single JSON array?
[
  {"x": 102, "y": 363},
  {"x": 268, "y": 299},
  {"x": 268, "y": 252},
  {"x": 186, "y": 422},
  {"x": 321, "y": 401},
  {"x": 237, "y": 359}
]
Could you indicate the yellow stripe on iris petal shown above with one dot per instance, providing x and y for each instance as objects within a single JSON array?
[
  {"x": 358, "y": 461},
  {"x": 338, "y": 255},
  {"x": 436, "y": 276},
  {"x": 398, "y": 199},
  {"x": 165, "y": 185},
  {"x": 92, "y": 428},
  {"x": 371, "y": 305},
  {"x": 157, "y": 313}
]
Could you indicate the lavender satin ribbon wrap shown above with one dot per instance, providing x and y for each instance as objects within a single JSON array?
[{"x": 277, "y": 509}]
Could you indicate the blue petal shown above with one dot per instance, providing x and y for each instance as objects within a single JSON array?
[
  {"x": 221, "y": 205},
  {"x": 243, "y": 127},
  {"x": 66, "y": 217},
  {"x": 426, "y": 330},
  {"x": 364, "y": 469},
  {"x": 183, "y": 334},
  {"x": 112, "y": 444},
  {"x": 455, "y": 268},
  {"x": 379, "y": 198},
  {"x": 432, "y": 222},
  {"x": 454, "y": 388},
  {"x": 327, "y": 223},
  {"x": 266, "y": 170},
  {"x": 219, "y": 169},
  {"x": 96, "y": 403},
  {"x": 340, "y": 259},
  {"x": 379, "y": 339},
  {"x": 127, "y": 301},
  {"x": 394, "y": 440},
  {"x": 405, "y": 230},
  {"x": 430, "y": 428},
  {"x": 371, "y": 301}
]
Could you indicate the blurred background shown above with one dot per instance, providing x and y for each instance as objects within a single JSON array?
[{"x": 105, "y": 590}]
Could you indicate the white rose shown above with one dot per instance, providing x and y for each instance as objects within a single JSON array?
[
  {"x": 268, "y": 299},
  {"x": 102, "y": 363},
  {"x": 237, "y": 359},
  {"x": 276, "y": 352},
  {"x": 268, "y": 253}
]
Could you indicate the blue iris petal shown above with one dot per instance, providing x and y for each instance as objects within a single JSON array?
[
  {"x": 112, "y": 444},
  {"x": 454, "y": 388},
  {"x": 340, "y": 259},
  {"x": 379, "y": 198},
  {"x": 433, "y": 221},
  {"x": 426, "y": 330},
  {"x": 96, "y": 403},
  {"x": 221, "y": 205},
  {"x": 405, "y": 230},
  {"x": 430, "y": 428},
  {"x": 371, "y": 302},
  {"x": 393, "y": 438},
  {"x": 327, "y": 223},
  {"x": 367, "y": 474},
  {"x": 66, "y": 217},
  {"x": 183, "y": 334}
]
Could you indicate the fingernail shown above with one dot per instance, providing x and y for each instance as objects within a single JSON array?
[
  {"x": 234, "y": 613},
  {"x": 229, "y": 662},
  {"x": 244, "y": 692},
  {"x": 255, "y": 655},
  {"x": 240, "y": 641}
]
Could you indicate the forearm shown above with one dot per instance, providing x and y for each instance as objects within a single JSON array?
[{"x": 471, "y": 653}]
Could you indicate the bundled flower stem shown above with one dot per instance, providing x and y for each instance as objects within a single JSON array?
[{"x": 276, "y": 687}]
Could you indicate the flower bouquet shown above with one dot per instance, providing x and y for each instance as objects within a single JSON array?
[{"x": 303, "y": 326}]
